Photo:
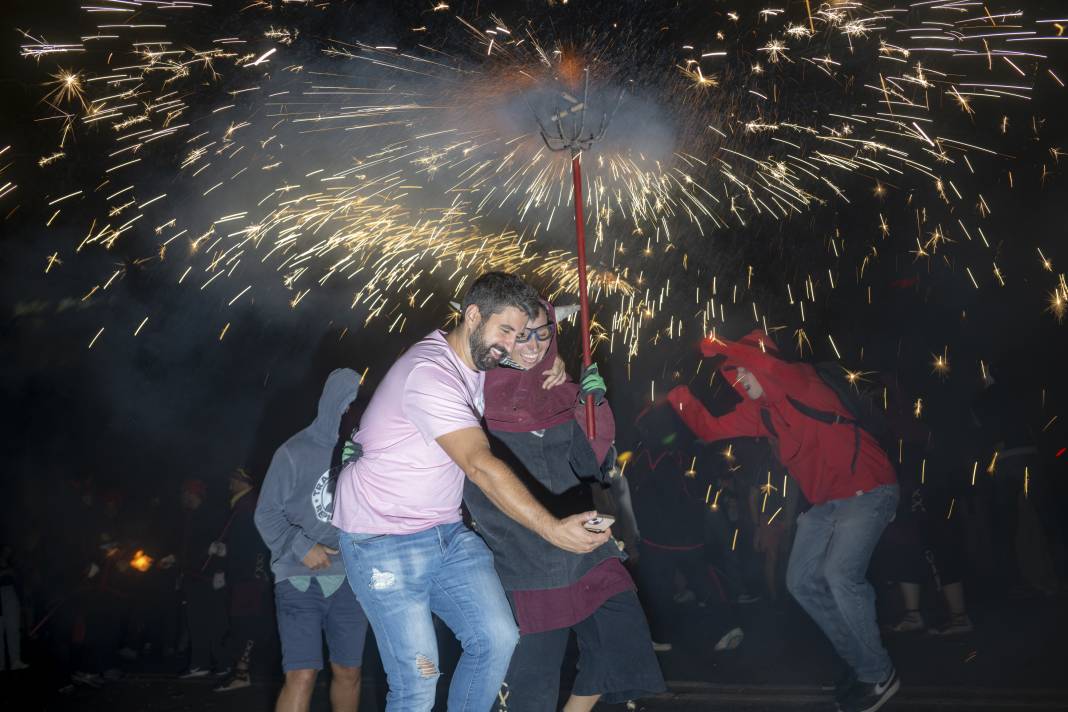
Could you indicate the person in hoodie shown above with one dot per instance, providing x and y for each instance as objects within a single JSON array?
[
  {"x": 541, "y": 433},
  {"x": 843, "y": 473},
  {"x": 311, "y": 596}
]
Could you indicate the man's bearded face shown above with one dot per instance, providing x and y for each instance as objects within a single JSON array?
[{"x": 494, "y": 337}]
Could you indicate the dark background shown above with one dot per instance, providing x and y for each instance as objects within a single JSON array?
[{"x": 175, "y": 402}]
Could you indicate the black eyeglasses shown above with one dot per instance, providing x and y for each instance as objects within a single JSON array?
[{"x": 540, "y": 333}]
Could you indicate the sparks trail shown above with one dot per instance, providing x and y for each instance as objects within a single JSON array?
[{"x": 376, "y": 167}]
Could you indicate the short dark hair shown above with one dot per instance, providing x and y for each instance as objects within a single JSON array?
[{"x": 493, "y": 292}]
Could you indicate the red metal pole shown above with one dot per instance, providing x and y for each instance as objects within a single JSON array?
[{"x": 584, "y": 302}]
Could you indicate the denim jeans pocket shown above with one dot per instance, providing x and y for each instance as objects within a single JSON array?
[{"x": 361, "y": 539}]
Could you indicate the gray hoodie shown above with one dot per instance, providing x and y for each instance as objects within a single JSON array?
[{"x": 296, "y": 500}]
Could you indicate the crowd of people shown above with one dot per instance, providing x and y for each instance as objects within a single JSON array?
[{"x": 487, "y": 489}]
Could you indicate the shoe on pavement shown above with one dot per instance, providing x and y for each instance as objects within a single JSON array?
[
  {"x": 192, "y": 673},
  {"x": 235, "y": 682},
  {"x": 870, "y": 696},
  {"x": 730, "y": 640},
  {"x": 747, "y": 598},
  {"x": 87, "y": 678},
  {"x": 19, "y": 665},
  {"x": 684, "y": 596},
  {"x": 910, "y": 623},
  {"x": 661, "y": 647},
  {"x": 958, "y": 625}
]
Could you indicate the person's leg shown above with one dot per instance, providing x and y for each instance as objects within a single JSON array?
[
  {"x": 1043, "y": 498},
  {"x": 771, "y": 568},
  {"x": 345, "y": 688},
  {"x": 533, "y": 680},
  {"x": 199, "y": 624},
  {"x": 1004, "y": 521},
  {"x": 345, "y": 627},
  {"x": 859, "y": 522},
  {"x": 954, "y": 595},
  {"x": 616, "y": 661},
  {"x": 695, "y": 573},
  {"x": 391, "y": 577},
  {"x": 959, "y": 622},
  {"x": 300, "y": 618},
  {"x": 12, "y": 618},
  {"x": 806, "y": 580},
  {"x": 467, "y": 595},
  {"x": 4, "y": 635},
  {"x": 718, "y": 544},
  {"x": 580, "y": 703},
  {"x": 912, "y": 619},
  {"x": 218, "y": 629},
  {"x": 655, "y": 571},
  {"x": 296, "y": 691}
]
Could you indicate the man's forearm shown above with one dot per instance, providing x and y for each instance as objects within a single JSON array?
[{"x": 509, "y": 495}]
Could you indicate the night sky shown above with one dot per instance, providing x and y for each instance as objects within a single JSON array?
[{"x": 175, "y": 400}]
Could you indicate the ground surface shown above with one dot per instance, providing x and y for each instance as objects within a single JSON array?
[{"x": 1015, "y": 660}]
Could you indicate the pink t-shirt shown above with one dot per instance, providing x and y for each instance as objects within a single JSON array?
[{"x": 405, "y": 483}]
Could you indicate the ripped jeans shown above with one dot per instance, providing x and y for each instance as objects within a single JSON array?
[{"x": 400, "y": 580}]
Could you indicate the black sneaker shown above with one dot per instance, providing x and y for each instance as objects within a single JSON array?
[{"x": 870, "y": 696}]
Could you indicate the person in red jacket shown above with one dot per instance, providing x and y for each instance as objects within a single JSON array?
[{"x": 842, "y": 471}]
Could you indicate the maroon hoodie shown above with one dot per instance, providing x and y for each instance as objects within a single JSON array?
[
  {"x": 819, "y": 455},
  {"x": 516, "y": 402}
]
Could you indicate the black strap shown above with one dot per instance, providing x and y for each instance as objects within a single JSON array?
[
  {"x": 826, "y": 417},
  {"x": 856, "y": 447},
  {"x": 766, "y": 417}
]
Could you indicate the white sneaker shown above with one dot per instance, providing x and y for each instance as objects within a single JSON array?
[
  {"x": 87, "y": 678},
  {"x": 730, "y": 640},
  {"x": 661, "y": 647},
  {"x": 684, "y": 597}
]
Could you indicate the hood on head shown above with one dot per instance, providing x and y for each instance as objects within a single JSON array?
[
  {"x": 551, "y": 352},
  {"x": 340, "y": 389},
  {"x": 756, "y": 352}
]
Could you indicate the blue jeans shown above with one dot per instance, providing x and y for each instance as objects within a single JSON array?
[
  {"x": 400, "y": 580},
  {"x": 827, "y": 575}
]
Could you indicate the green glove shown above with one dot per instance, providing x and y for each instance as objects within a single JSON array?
[
  {"x": 591, "y": 384},
  {"x": 351, "y": 452}
]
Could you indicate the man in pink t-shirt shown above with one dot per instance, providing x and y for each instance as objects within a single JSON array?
[{"x": 407, "y": 553}]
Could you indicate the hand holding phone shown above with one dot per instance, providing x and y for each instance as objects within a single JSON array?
[{"x": 599, "y": 523}]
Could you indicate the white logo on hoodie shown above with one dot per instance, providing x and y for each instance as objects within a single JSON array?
[{"x": 323, "y": 498}]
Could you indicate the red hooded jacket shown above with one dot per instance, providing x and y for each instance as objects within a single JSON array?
[{"x": 819, "y": 455}]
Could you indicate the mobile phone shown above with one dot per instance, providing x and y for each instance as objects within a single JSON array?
[{"x": 599, "y": 523}]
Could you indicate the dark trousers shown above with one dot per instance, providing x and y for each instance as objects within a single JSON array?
[
  {"x": 616, "y": 660},
  {"x": 1008, "y": 483},
  {"x": 102, "y": 620},
  {"x": 719, "y": 535},
  {"x": 205, "y": 610},
  {"x": 656, "y": 585}
]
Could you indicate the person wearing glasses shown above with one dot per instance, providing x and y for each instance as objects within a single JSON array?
[
  {"x": 406, "y": 550},
  {"x": 540, "y": 432}
]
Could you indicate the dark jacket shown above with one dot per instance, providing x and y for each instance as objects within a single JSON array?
[
  {"x": 200, "y": 527},
  {"x": 553, "y": 466}
]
